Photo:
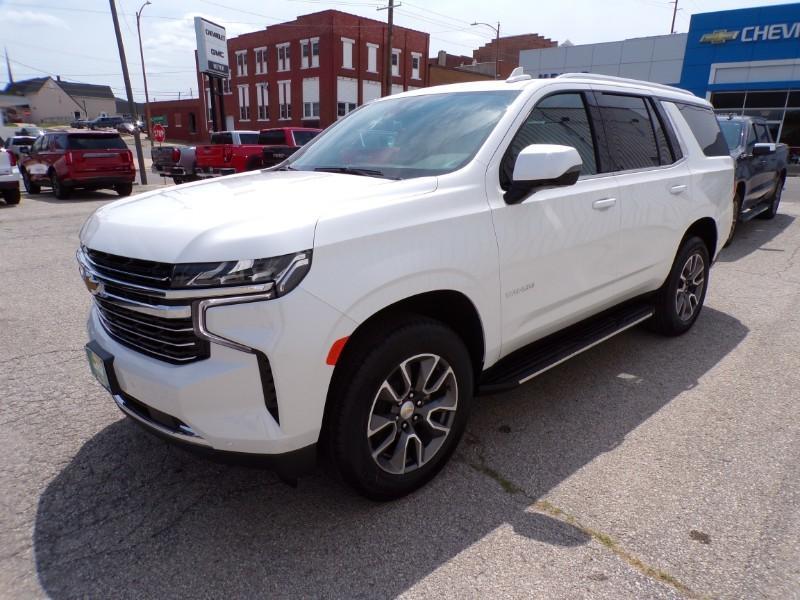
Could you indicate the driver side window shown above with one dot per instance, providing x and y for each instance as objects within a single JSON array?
[{"x": 558, "y": 119}]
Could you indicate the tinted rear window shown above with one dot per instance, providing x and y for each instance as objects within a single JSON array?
[
  {"x": 301, "y": 138},
  {"x": 95, "y": 142},
  {"x": 222, "y": 138},
  {"x": 23, "y": 141},
  {"x": 631, "y": 140},
  {"x": 705, "y": 127},
  {"x": 248, "y": 138},
  {"x": 272, "y": 138}
]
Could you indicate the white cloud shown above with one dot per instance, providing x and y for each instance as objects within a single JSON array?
[{"x": 9, "y": 16}]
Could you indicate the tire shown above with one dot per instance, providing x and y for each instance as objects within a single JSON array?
[
  {"x": 362, "y": 431},
  {"x": 177, "y": 180},
  {"x": 11, "y": 196},
  {"x": 737, "y": 209},
  {"x": 254, "y": 164},
  {"x": 30, "y": 187},
  {"x": 679, "y": 301},
  {"x": 59, "y": 189},
  {"x": 774, "y": 201},
  {"x": 124, "y": 189}
]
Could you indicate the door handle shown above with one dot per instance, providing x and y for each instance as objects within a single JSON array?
[
  {"x": 677, "y": 189},
  {"x": 604, "y": 203}
]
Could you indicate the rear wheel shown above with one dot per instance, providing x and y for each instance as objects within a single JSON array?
[
  {"x": 11, "y": 196},
  {"x": 680, "y": 299},
  {"x": 124, "y": 189},
  {"x": 59, "y": 189},
  {"x": 254, "y": 164},
  {"x": 30, "y": 187},
  {"x": 177, "y": 180},
  {"x": 774, "y": 201},
  {"x": 737, "y": 208},
  {"x": 401, "y": 408}
]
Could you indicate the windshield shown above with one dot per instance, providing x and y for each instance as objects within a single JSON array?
[
  {"x": 412, "y": 136},
  {"x": 732, "y": 130},
  {"x": 95, "y": 142}
]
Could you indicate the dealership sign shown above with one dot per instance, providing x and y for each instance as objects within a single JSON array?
[
  {"x": 212, "y": 49},
  {"x": 753, "y": 33}
]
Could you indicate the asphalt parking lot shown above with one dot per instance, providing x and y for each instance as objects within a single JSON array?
[{"x": 645, "y": 468}]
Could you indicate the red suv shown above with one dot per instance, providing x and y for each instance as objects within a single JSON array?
[{"x": 66, "y": 160}]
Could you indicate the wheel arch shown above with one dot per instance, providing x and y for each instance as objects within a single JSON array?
[{"x": 706, "y": 230}]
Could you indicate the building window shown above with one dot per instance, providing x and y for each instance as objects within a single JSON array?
[
  {"x": 395, "y": 62},
  {"x": 244, "y": 103},
  {"x": 311, "y": 98},
  {"x": 283, "y": 57},
  {"x": 192, "y": 123},
  {"x": 178, "y": 120},
  {"x": 415, "y": 60},
  {"x": 371, "y": 90},
  {"x": 261, "y": 60},
  {"x": 346, "y": 95},
  {"x": 241, "y": 63},
  {"x": 342, "y": 108},
  {"x": 285, "y": 100},
  {"x": 305, "y": 54},
  {"x": 226, "y": 86},
  {"x": 347, "y": 53},
  {"x": 372, "y": 58},
  {"x": 314, "y": 52},
  {"x": 262, "y": 99}
]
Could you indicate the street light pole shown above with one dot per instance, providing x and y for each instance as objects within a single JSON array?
[
  {"x": 137, "y": 140},
  {"x": 496, "y": 46},
  {"x": 144, "y": 74}
]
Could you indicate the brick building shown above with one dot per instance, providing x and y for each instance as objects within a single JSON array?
[
  {"x": 313, "y": 70},
  {"x": 510, "y": 48},
  {"x": 182, "y": 119}
]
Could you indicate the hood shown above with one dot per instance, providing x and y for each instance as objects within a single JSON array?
[{"x": 254, "y": 215}]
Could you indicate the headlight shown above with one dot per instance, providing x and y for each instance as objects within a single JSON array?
[{"x": 285, "y": 271}]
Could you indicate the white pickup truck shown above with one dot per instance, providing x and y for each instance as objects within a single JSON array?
[{"x": 430, "y": 246}]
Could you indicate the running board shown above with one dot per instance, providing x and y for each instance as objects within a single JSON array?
[
  {"x": 752, "y": 213},
  {"x": 530, "y": 361}
]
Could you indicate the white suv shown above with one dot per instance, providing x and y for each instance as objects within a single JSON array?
[{"x": 430, "y": 246}]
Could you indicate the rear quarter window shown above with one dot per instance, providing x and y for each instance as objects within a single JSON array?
[
  {"x": 705, "y": 128},
  {"x": 275, "y": 137},
  {"x": 248, "y": 138},
  {"x": 222, "y": 138}
]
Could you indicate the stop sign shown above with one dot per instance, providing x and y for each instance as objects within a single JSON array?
[{"x": 159, "y": 134}]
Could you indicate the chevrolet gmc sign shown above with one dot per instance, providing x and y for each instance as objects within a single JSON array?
[{"x": 212, "y": 49}]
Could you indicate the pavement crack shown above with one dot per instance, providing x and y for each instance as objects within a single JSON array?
[{"x": 480, "y": 464}]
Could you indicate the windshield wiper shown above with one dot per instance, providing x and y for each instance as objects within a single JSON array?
[
  {"x": 287, "y": 168},
  {"x": 355, "y": 171}
]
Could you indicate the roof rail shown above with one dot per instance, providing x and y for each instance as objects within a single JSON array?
[{"x": 614, "y": 79}]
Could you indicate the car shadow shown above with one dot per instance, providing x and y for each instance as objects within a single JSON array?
[
  {"x": 754, "y": 235},
  {"x": 132, "y": 516},
  {"x": 75, "y": 197}
]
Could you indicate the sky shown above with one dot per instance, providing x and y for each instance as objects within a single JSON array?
[{"x": 75, "y": 38}]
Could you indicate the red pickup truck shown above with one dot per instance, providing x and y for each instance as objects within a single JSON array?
[{"x": 238, "y": 151}]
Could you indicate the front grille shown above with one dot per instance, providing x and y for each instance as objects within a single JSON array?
[
  {"x": 133, "y": 270},
  {"x": 171, "y": 340}
]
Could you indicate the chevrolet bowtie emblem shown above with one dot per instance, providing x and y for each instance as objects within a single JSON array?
[
  {"x": 95, "y": 287},
  {"x": 720, "y": 36}
]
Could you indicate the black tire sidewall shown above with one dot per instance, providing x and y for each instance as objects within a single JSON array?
[
  {"x": 348, "y": 436},
  {"x": 737, "y": 208},
  {"x": 666, "y": 311}
]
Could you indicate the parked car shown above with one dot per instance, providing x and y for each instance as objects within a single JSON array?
[
  {"x": 279, "y": 144},
  {"x": 229, "y": 152},
  {"x": 177, "y": 162},
  {"x": 434, "y": 244},
  {"x": 30, "y": 131},
  {"x": 90, "y": 160},
  {"x": 79, "y": 124},
  {"x": 9, "y": 177},
  {"x": 761, "y": 167},
  {"x": 16, "y": 144},
  {"x": 106, "y": 122}
]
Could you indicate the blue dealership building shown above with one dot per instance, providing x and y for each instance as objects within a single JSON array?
[{"x": 744, "y": 61}]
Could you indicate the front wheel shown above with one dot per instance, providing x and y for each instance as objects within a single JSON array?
[
  {"x": 679, "y": 301},
  {"x": 402, "y": 406},
  {"x": 774, "y": 201},
  {"x": 59, "y": 189},
  {"x": 30, "y": 187},
  {"x": 11, "y": 196}
]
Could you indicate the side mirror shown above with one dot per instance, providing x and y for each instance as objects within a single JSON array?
[
  {"x": 543, "y": 165},
  {"x": 762, "y": 149}
]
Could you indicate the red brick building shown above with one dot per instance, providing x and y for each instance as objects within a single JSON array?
[
  {"x": 183, "y": 120},
  {"x": 510, "y": 47},
  {"x": 313, "y": 70}
]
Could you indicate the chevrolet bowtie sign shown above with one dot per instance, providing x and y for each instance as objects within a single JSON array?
[{"x": 753, "y": 33}]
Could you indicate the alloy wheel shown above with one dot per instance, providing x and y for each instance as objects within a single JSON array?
[
  {"x": 690, "y": 287},
  {"x": 412, "y": 414}
]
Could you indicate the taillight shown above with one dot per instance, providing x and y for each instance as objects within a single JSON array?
[
  {"x": 12, "y": 157},
  {"x": 227, "y": 153},
  {"x": 176, "y": 154},
  {"x": 68, "y": 158},
  {"x": 127, "y": 156}
]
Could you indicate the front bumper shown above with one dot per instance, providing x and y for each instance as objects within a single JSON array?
[{"x": 220, "y": 401}]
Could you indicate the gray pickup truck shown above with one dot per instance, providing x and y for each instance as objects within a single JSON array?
[
  {"x": 177, "y": 162},
  {"x": 760, "y": 168}
]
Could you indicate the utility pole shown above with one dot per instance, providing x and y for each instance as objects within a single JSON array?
[
  {"x": 674, "y": 14},
  {"x": 137, "y": 140},
  {"x": 144, "y": 75},
  {"x": 496, "y": 44},
  {"x": 387, "y": 75}
]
